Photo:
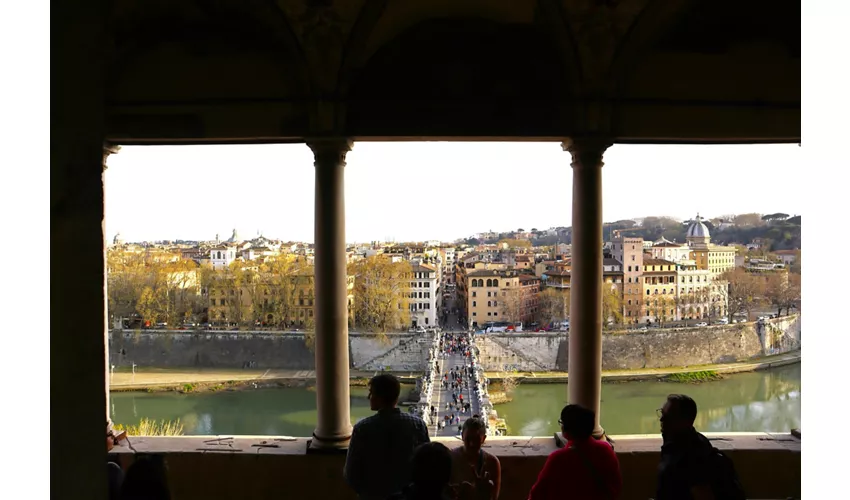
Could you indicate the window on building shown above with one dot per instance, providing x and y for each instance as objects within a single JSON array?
[
  {"x": 633, "y": 258},
  {"x": 474, "y": 313},
  {"x": 474, "y": 303},
  {"x": 473, "y": 294}
]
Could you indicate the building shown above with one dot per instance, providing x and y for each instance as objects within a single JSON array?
[
  {"x": 715, "y": 258},
  {"x": 448, "y": 255},
  {"x": 788, "y": 257},
  {"x": 669, "y": 250},
  {"x": 424, "y": 296},
  {"x": 629, "y": 252},
  {"x": 693, "y": 292},
  {"x": 286, "y": 303},
  {"x": 659, "y": 290},
  {"x": 221, "y": 256}
]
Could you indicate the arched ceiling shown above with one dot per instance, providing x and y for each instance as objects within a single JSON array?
[{"x": 635, "y": 70}]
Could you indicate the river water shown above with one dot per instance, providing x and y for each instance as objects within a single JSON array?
[{"x": 760, "y": 401}]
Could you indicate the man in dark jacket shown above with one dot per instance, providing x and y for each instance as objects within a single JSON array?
[
  {"x": 378, "y": 461},
  {"x": 685, "y": 469}
]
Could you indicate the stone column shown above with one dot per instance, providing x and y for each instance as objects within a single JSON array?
[
  {"x": 333, "y": 428},
  {"x": 108, "y": 149},
  {"x": 77, "y": 314},
  {"x": 585, "y": 353}
]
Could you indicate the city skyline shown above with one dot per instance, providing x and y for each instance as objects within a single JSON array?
[{"x": 269, "y": 188}]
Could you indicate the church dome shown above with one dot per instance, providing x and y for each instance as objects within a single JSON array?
[{"x": 698, "y": 229}]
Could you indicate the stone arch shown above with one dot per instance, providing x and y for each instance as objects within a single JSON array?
[
  {"x": 200, "y": 57},
  {"x": 462, "y": 72}
]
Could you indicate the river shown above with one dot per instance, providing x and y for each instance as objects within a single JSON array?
[{"x": 760, "y": 401}]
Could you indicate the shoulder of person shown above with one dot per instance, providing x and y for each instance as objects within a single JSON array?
[{"x": 359, "y": 426}]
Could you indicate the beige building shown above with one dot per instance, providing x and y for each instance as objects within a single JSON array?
[
  {"x": 693, "y": 292},
  {"x": 500, "y": 294},
  {"x": 629, "y": 251},
  {"x": 659, "y": 290},
  {"x": 716, "y": 259}
]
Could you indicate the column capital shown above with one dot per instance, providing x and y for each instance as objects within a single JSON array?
[
  {"x": 587, "y": 151},
  {"x": 330, "y": 149},
  {"x": 109, "y": 149}
]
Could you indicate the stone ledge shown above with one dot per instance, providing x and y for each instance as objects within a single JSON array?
[
  {"x": 768, "y": 464},
  {"x": 501, "y": 446}
]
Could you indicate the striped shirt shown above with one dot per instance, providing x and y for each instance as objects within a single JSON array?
[{"x": 378, "y": 460}]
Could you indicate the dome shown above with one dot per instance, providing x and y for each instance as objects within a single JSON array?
[{"x": 698, "y": 229}]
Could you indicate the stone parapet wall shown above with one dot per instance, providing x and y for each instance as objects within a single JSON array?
[
  {"x": 259, "y": 350},
  {"x": 655, "y": 348},
  {"x": 768, "y": 465}
]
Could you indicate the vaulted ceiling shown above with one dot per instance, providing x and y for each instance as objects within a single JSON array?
[{"x": 634, "y": 70}]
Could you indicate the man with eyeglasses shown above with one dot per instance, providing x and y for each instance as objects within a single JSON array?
[{"x": 691, "y": 468}]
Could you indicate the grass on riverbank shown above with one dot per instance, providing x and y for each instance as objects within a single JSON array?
[
  {"x": 693, "y": 377},
  {"x": 149, "y": 427}
]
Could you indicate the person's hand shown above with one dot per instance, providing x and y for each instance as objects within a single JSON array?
[{"x": 483, "y": 485}]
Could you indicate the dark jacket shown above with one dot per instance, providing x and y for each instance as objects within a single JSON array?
[{"x": 685, "y": 463}]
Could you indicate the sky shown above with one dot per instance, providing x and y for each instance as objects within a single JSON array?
[{"x": 417, "y": 191}]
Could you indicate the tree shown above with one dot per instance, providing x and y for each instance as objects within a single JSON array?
[
  {"x": 612, "y": 305},
  {"x": 281, "y": 274},
  {"x": 554, "y": 305},
  {"x": 749, "y": 220},
  {"x": 744, "y": 291},
  {"x": 511, "y": 305},
  {"x": 783, "y": 291},
  {"x": 381, "y": 297}
]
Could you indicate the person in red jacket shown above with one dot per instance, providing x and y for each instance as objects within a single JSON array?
[{"x": 585, "y": 469}]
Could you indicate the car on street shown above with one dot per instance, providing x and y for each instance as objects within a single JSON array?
[{"x": 701, "y": 324}]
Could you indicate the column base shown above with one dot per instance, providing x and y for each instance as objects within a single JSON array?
[{"x": 334, "y": 446}]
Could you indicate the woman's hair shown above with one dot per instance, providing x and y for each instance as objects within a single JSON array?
[
  {"x": 431, "y": 465},
  {"x": 475, "y": 423}
]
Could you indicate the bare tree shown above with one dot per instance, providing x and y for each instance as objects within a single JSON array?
[
  {"x": 783, "y": 291},
  {"x": 511, "y": 305},
  {"x": 744, "y": 291}
]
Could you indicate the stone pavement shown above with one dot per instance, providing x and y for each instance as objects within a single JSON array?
[{"x": 442, "y": 396}]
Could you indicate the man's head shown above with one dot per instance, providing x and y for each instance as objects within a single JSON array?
[
  {"x": 577, "y": 422},
  {"x": 473, "y": 433},
  {"x": 383, "y": 391},
  {"x": 677, "y": 414},
  {"x": 431, "y": 467}
]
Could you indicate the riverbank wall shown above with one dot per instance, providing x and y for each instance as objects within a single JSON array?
[
  {"x": 258, "y": 350},
  {"x": 408, "y": 352},
  {"x": 636, "y": 350}
]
